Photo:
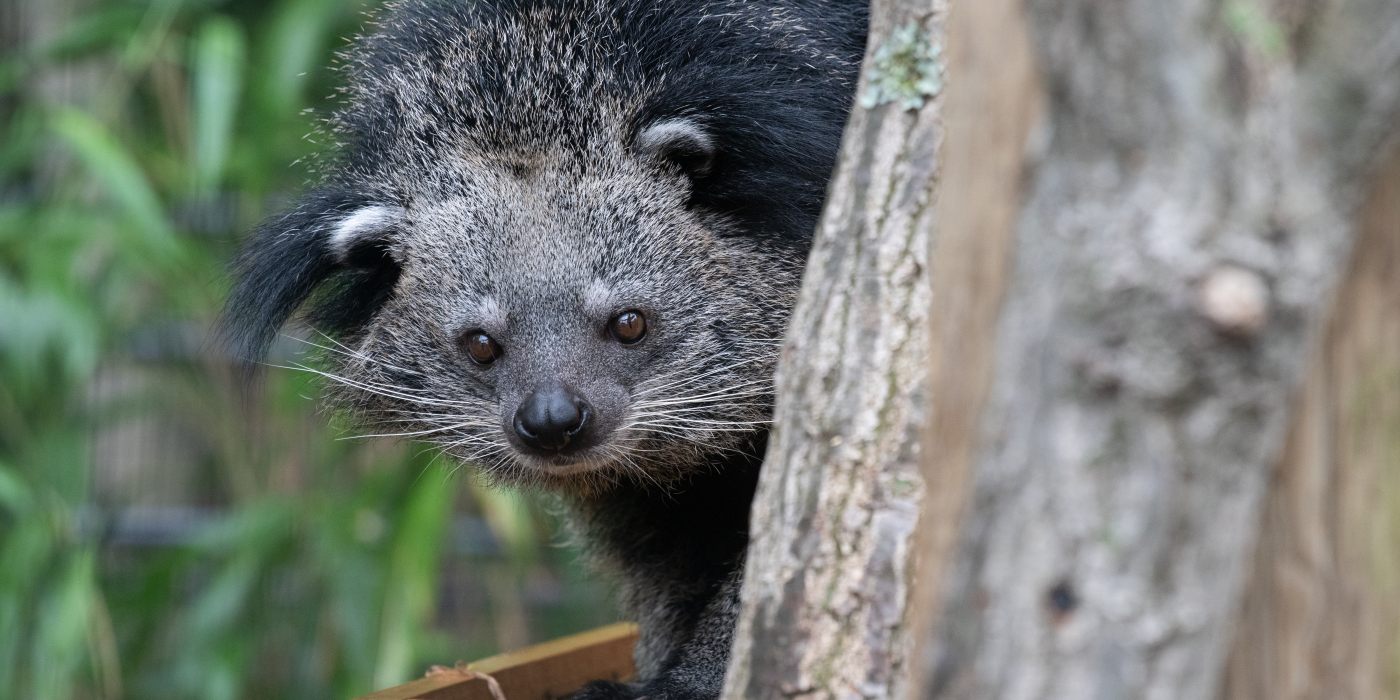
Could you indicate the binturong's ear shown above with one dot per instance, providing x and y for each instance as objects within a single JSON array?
[
  {"x": 680, "y": 141},
  {"x": 329, "y": 239}
]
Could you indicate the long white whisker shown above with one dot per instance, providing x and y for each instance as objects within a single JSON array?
[
  {"x": 416, "y": 432},
  {"x": 380, "y": 390},
  {"x": 737, "y": 426},
  {"x": 711, "y": 397},
  {"x": 347, "y": 351},
  {"x": 695, "y": 378},
  {"x": 688, "y": 414}
]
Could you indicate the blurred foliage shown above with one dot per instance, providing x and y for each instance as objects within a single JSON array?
[{"x": 140, "y": 139}]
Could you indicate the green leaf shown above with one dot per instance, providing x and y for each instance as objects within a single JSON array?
[
  {"x": 40, "y": 324},
  {"x": 61, "y": 638},
  {"x": 15, "y": 495},
  {"x": 12, "y": 629},
  {"x": 216, "y": 611},
  {"x": 148, "y": 37},
  {"x": 94, "y": 31},
  {"x": 119, "y": 174},
  {"x": 218, "y": 75},
  {"x": 258, "y": 526},
  {"x": 409, "y": 596},
  {"x": 294, "y": 48}
]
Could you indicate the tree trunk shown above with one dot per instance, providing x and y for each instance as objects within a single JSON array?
[
  {"x": 833, "y": 521},
  {"x": 1124, "y": 297},
  {"x": 1321, "y": 613},
  {"x": 1181, "y": 232}
]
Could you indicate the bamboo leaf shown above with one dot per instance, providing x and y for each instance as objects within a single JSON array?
[
  {"x": 40, "y": 325},
  {"x": 218, "y": 75},
  {"x": 15, "y": 495},
  {"x": 409, "y": 596},
  {"x": 114, "y": 168},
  {"x": 61, "y": 637},
  {"x": 294, "y": 47},
  {"x": 148, "y": 37}
]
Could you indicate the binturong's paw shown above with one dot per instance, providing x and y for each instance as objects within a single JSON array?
[{"x": 607, "y": 690}]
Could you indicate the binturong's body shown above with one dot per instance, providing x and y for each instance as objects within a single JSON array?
[{"x": 561, "y": 241}]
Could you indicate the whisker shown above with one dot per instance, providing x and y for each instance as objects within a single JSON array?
[
  {"x": 689, "y": 415},
  {"x": 712, "y": 397},
  {"x": 382, "y": 390},
  {"x": 738, "y": 426},
  {"x": 414, "y": 433},
  {"x": 347, "y": 351},
  {"x": 695, "y": 378}
]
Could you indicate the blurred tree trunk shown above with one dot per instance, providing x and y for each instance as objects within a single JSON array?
[
  {"x": 1321, "y": 613},
  {"x": 1125, "y": 287}
]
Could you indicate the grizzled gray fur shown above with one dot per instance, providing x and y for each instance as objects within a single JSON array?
[{"x": 560, "y": 240}]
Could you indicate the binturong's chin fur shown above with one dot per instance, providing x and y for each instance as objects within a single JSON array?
[{"x": 560, "y": 240}]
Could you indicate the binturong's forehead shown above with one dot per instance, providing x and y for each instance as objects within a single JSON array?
[
  {"x": 612, "y": 232},
  {"x": 439, "y": 82}
]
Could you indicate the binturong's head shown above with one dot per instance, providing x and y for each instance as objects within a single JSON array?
[{"x": 561, "y": 240}]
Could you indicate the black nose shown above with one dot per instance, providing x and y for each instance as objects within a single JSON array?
[{"x": 551, "y": 419}]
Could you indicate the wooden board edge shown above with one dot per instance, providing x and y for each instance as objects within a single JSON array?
[
  {"x": 555, "y": 647},
  {"x": 450, "y": 687}
]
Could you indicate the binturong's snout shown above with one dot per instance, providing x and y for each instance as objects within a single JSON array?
[{"x": 552, "y": 420}]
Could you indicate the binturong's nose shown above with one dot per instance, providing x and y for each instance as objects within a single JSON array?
[{"x": 551, "y": 419}]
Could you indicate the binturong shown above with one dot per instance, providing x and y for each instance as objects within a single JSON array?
[{"x": 560, "y": 241}]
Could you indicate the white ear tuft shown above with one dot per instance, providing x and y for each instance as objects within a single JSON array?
[
  {"x": 363, "y": 224},
  {"x": 681, "y": 141}
]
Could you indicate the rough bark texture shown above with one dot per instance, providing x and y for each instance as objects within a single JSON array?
[
  {"x": 829, "y": 566},
  {"x": 1321, "y": 613},
  {"x": 1182, "y": 228}
]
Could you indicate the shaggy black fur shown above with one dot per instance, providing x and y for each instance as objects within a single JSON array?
[{"x": 530, "y": 169}]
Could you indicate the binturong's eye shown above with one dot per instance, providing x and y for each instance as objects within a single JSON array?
[
  {"x": 480, "y": 347},
  {"x": 629, "y": 327}
]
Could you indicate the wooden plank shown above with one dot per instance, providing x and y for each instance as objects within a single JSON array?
[
  {"x": 540, "y": 672},
  {"x": 429, "y": 687}
]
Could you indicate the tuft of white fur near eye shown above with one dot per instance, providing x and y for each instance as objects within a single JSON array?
[
  {"x": 366, "y": 223},
  {"x": 675, "y": 136},
  {"x": 598, "y": 299}
]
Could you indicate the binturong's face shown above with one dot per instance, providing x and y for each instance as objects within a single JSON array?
[
  {"x": 561, "y": 240},
  {"x": 567, "y": 321}
]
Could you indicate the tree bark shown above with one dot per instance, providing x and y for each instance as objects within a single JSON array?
[
  {"x": 1123, "y": 292},
  {"x": 994, "y": 102},
  {"x": 1321, "y": 613},
  {"x": 829, "y": 565},
  {"x": 1180, "y": 234}
]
